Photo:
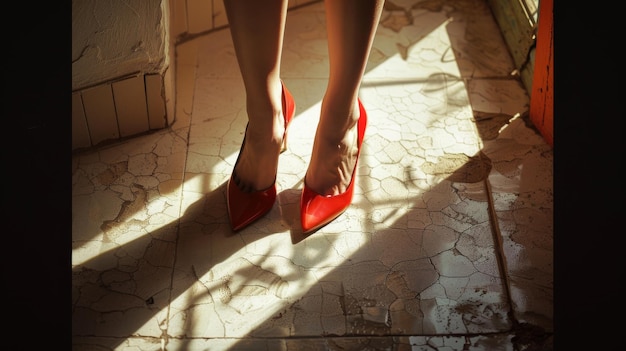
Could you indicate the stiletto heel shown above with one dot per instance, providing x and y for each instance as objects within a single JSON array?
[
  {"x": 318, "y": 210},
  {"x": 289, "y": 109},
  {"x": 246, "y": 207}
]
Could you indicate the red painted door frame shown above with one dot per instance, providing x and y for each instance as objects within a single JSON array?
[{"x": 542, "y": 94}]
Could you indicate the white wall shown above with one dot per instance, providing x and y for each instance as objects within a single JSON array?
[{"x": 113, "y": 39}]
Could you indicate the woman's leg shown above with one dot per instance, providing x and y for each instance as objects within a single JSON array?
[
  {"x": 257, "y": 30},
  {"x": 351, "y": 26}
]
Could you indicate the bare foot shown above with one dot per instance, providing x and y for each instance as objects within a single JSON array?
[
  {"x": 258, "y": 162},
  {"x": 333, "y": 157}
]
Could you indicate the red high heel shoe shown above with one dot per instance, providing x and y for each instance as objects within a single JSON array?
[
  {"x": 317, "y": 210},
  {"x": 246, "y": 207}
]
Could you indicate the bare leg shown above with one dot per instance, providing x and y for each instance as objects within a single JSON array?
[
  {"x": 257, "y": 30},
  {"x": 351, "y": 26}
]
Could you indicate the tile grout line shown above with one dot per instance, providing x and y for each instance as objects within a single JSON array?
[
  {"x": 164, "y": 338},
  {"x": 499, "y": 250}
]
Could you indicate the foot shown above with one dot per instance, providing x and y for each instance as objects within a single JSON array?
[
  {"x": 258, "y": 161},
  {"x": 334, "y": 156}
]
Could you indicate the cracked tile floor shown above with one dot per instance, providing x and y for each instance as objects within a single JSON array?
[{"x": 447, "y": 245}]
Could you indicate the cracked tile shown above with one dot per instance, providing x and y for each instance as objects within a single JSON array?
[
  {"x": 447, "y": 244},
  {"x": 125, "y": 212}
]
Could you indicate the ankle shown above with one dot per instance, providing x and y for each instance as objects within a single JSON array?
[
  {"x": 267, "y": 128},
  {"x": 337, "y": 120}
]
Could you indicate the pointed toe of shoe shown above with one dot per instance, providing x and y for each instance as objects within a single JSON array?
[
  {"x": 245, "y": 208},
  {"x": 312, "y": 222},
  {"x": 317, "y": 211}
]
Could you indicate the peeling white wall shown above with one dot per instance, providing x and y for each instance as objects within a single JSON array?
[{"x": 116, "y": 38}]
